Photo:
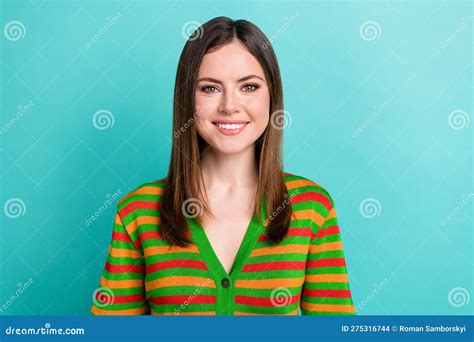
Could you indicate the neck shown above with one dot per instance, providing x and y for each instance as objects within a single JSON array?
[{"x": 229, "y": 172}]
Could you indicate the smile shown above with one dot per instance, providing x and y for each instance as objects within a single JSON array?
[{"x": 231, "y": 128}]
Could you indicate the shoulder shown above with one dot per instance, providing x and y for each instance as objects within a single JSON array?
[
  {"x": 143, "y": 196},
  {"x": 308, "y": 194},
  {"x": 299, "y": 185}
]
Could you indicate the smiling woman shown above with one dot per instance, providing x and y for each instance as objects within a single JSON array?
[{"x": 227, "y": 231}]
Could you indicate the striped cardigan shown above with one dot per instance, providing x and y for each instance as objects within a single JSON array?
[{"x": 306, "y": 272}]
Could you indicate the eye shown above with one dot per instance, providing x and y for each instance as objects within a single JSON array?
[
  {"x": 208, "y": 89},
  {"x": 250, "y": 87}
]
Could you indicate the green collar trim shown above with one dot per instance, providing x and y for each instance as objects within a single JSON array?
[{"x": 225, "y": 295}]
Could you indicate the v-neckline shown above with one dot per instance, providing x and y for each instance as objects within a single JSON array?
[{"x": 199, "y": 236}]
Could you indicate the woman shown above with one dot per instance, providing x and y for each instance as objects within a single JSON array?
[{"x": 227, "y": 232}]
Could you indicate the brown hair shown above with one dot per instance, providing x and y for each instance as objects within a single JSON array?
[{"x": 184, "y": 180}]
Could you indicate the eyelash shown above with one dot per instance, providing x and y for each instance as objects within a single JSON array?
[{"x": 256, "y": 86}]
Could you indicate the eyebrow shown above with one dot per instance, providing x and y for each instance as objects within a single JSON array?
[{"x": 210, "y": 79}]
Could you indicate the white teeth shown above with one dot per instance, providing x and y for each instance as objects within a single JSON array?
[{"x": 230, "y": 126}]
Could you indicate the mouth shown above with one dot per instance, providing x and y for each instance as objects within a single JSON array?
[{"x": 230, "y": 127}]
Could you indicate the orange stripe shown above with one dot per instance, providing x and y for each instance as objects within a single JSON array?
[
  {"x": 269, "y": 283},
  {"x": 327, "y": 307},
  {"x": 146, "y": 190},
  {"x": 331, "y": 214},
  {"x": 120, "y": 284},
  {"x": 241, "y": 313},
  {"x": 294, "y": 313},
  {"x": 196, "y": 313},
  {"x": 294, "y": 248},
  {"x": 154, "y": 250},
  {"x": 328, "y": 246},
  {"x": 300, "y": 183},
  {"x": 180, "y": 281},
  {"x": 308, "y": 214},
  {"x": 123, "y": 253},
  {"x": 303, "y": 214},
  {"x": 326, "y": 278},
  {"x": 138, "y": 311},
  {"x": 142, "y": 219}
]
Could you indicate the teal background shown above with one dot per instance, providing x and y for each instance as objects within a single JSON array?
[{"x": 413, "y": 257}]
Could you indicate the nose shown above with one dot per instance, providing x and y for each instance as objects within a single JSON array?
[{"x": 229, "y": 103}]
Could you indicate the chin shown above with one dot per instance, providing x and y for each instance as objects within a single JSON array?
[{"x": 230, "y": 148}]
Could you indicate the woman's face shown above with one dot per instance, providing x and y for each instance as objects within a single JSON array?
[{"x": 232, "y": 99}]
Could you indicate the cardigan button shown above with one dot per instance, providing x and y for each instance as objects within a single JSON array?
[{"x": 225, "y": 282}]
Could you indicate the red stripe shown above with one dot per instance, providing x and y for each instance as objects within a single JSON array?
[
  {"x": 137, "y": 244},
  {"x": 117, "y": 236},
  {"x": 191, "y": 299},
  {"x": 123, "y": 268},
  {"x": 275, "y": 265},
  {"x": 182, "y": 263},
  {"x": 258, "y": 301},
  {"x": 128, "y": 299},
  {"x": 327, "y": 293},
  {"x": 105, "y": 298},
  {"x": 312, "y": 196},
  {"x": 121, "y": 237},
  {"x": 153, "y": 234},
  {"x": 138, "y": 205},
  {"x": 326, "y": 262},
  {"x": 327, "y": 231}
]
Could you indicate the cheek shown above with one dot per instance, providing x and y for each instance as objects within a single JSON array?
[
  {"x": 205, "y": 103},
  {"x": 203, "y": 110},
  {"x": 259, "y": 110},
  {"x": 202, "y": 125},
  {"x": 262, "y": 122}
]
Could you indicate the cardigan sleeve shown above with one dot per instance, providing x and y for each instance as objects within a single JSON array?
[
  {"x": 121, "y": 289},
  {"x": 326, "y": 287}
]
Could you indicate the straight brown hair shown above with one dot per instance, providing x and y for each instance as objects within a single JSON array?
[{"x": 184, "y": 181}]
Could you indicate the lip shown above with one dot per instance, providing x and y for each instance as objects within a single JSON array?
[
  {"x": 230, "y": 122},
  {"x": 226, "y": 131}
]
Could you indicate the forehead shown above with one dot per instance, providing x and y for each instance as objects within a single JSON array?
[{"x": 230, "y": 61}]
